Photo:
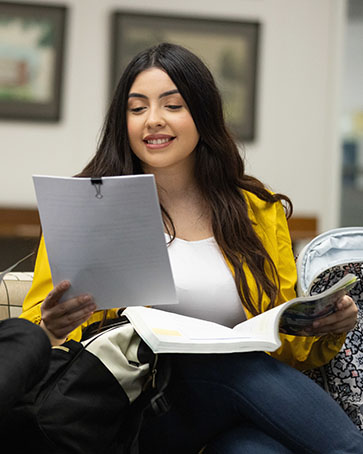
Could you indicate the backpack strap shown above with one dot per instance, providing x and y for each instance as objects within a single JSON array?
[{"x": 153, "y": 399}]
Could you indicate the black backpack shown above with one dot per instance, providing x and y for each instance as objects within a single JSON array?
[{"x": 80, "y": 407}]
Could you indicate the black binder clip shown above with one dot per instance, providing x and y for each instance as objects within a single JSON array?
[{"x": 97, "y": 182}]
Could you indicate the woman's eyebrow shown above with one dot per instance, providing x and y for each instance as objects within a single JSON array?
[
  {"x": 166, "y": 93},
  {"x": 137, "y": 95},
  {"x": 170, "y": 92}
]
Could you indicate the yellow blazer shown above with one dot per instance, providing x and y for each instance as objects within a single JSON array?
[{"x": 270, "y": 224}]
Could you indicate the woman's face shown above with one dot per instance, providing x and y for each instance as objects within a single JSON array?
[{"x": 161, "y": 130}]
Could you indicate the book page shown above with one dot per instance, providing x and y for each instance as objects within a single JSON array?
[
  {"x": 168, "y": 332},
  {"x": 106, "y": 239},
  {"x": 181, "y": 327},
  {"x": 263, "y": 326},
  {"x": 293, "y": 316},
  {"x": 302, "y": 311}
]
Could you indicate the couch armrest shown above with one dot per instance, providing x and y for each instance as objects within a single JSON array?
[{"x": 13, "y": 290}]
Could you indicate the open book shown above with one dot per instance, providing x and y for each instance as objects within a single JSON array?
[{"x": 165, "y": 332}]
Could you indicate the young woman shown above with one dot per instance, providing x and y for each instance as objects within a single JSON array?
[{"x": 231, "y": 258}]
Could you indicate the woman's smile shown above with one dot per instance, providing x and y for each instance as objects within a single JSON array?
[{"x": 157, "y": 141}]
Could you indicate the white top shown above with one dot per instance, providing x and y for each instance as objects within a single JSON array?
[{"x": 204, "y": 283}]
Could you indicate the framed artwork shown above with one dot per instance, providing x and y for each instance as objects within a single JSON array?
[
  {"x": 229, "y": 48},
  {"x": 31, "y": 61}
]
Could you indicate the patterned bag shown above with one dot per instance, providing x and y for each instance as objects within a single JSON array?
[{"x": 324, "y": 261}]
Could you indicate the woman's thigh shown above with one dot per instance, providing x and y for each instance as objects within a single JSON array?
[
  {"x": 245, "y": 438},
  {"x": 212, "y": 393}
]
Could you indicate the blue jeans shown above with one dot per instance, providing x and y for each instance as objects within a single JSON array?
[{"x": 247, "y": 403}]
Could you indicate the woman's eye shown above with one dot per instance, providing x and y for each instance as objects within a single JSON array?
[
  {"x": 174, "y": 106},
  {"x": 136, "y": 109}
]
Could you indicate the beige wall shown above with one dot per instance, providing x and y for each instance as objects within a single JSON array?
[{"x": 297, "y": 145}]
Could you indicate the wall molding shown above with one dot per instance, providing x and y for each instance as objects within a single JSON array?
[
  {"x": 25, "y": 223},
  {"x": 19, "y": 223}
]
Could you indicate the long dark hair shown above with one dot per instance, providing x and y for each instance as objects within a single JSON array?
[{"x": 219, "y": 169}]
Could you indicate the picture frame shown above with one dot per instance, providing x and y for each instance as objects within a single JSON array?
[
  {"x": 228, "y": 47},
  {"x": 31, "y": 61}
]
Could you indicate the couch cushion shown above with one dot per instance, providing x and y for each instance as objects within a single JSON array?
[{"x": 13, "y": 289}]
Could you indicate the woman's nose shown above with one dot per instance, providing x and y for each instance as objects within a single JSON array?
[{"x": 155, "y": 119}]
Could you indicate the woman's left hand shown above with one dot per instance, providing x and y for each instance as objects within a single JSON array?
[{"x": 342, "y": 321}]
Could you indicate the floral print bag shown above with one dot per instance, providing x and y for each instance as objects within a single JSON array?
[{"x": 325, "y": 260}]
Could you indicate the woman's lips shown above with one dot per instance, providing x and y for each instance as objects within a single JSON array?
[{"x": 158, "y": 142}]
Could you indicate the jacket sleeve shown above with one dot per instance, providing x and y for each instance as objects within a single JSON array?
[
  {"x": 42, "y": 284},
  {"x": 300, "y": 352}
]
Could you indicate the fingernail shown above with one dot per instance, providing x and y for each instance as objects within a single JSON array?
[{"x": 85, "y": 298}]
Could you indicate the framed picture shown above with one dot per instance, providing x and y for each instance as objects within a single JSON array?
[
  {"x": 31, "y": 61},
  {"x": 229, "y": 48}
]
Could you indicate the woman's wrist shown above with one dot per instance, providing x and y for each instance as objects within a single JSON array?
[{"x": 52, "y": 338}]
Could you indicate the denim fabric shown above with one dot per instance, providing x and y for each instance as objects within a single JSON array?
[
  {"x": 242, "y": 439},
  {"x": 247, "y": 403}
]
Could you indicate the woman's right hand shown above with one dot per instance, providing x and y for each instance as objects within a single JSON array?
[{"x": 59, "y": 319}]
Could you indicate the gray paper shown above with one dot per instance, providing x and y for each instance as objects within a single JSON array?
[{"x": 106, "y": 239}]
